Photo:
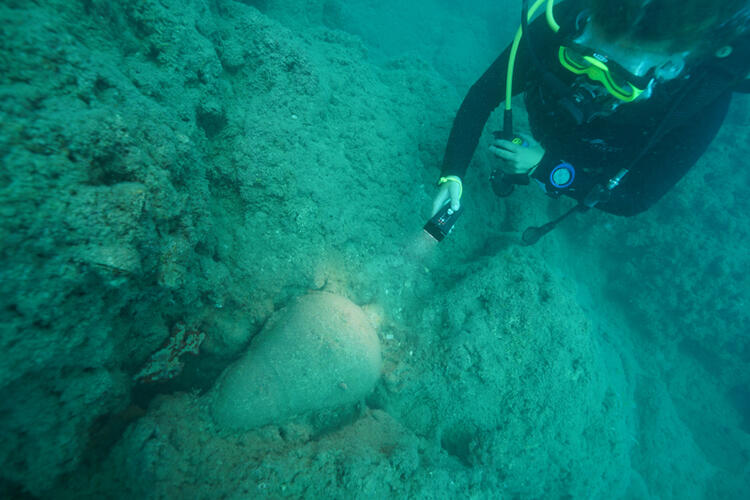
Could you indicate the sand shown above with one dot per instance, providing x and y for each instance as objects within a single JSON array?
[{"x": 207, "y": 163}]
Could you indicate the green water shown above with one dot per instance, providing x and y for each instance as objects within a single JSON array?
[{"x": 205, "y": 163}]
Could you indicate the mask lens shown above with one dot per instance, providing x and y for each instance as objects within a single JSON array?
[
  {"x": 574, "y": 58},
  {"x": 619, "y": 80}
]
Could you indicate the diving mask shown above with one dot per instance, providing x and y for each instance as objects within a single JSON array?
[{"x": 618, "y": 81}]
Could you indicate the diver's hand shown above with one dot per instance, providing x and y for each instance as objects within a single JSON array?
[
  {"x": 518, "y": 159},
  {"x": 448, "y": 190}
]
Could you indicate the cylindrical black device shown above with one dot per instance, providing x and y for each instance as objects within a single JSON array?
[
  {"x": 502, "y": 183},
  {"x": 442, "y": 222}
]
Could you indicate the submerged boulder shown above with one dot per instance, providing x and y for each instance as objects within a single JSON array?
[{"x": 320, "y": 352}]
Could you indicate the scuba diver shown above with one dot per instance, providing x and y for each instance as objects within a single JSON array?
[{"x": 623, "y": 97}]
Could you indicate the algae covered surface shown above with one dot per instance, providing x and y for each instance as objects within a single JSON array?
[{"x": 196, "y": 166}]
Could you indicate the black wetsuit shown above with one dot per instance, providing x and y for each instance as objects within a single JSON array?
[{"x": 658, "y": 138}]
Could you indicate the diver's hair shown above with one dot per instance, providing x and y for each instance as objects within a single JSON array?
[{"x": 680, "y": 23}]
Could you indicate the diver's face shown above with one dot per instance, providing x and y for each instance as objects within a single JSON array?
[{"x": 636, "y": 56}]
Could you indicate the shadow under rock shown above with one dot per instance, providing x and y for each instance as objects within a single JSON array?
[{"x": 198, "y": 376}]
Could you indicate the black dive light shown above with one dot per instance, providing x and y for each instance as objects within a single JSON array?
[{"x": 442, "y": 222}]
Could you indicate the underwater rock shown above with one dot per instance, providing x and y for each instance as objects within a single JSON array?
[
  {"x": 166, "y": 363},
  {"x": 320, "y": 352}
]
